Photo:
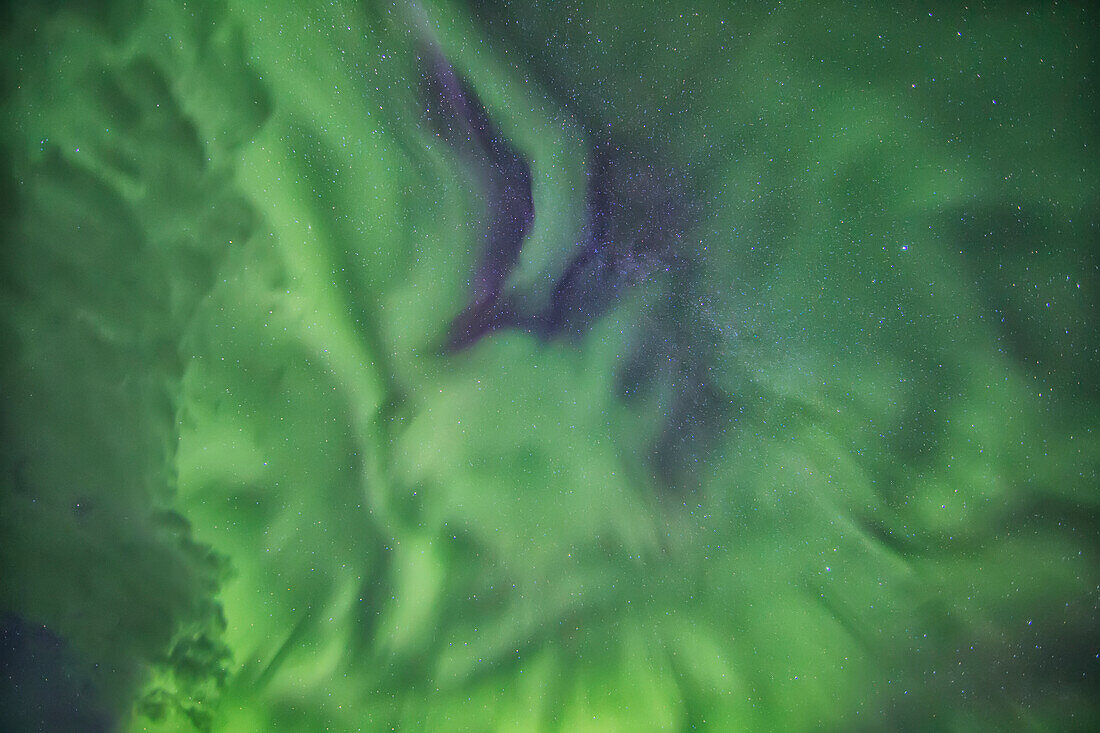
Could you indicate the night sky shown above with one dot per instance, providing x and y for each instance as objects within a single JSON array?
[{"x": 548, "y": 366}]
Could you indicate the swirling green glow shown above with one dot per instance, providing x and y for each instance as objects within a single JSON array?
[{"x": 243, "y": 485}]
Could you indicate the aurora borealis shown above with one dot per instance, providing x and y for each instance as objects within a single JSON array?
[{"x": 698, "y": 366}]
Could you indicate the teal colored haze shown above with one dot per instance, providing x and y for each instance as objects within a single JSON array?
[{"x": 833, "y": 469}]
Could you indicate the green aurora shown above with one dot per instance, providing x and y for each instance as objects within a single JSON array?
[{"x": 242, "y": 489}]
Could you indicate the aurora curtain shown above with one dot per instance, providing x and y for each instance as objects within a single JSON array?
[{"x": 812, "y": 447}]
